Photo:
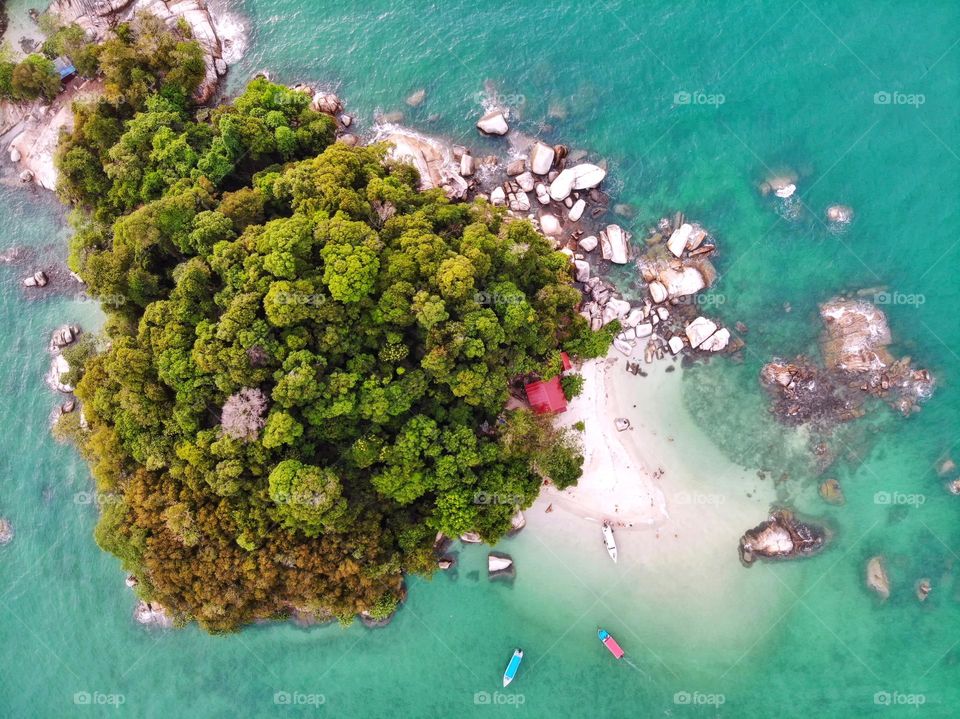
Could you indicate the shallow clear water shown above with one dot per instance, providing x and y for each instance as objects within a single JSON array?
[{"x": 798, "y": 83}]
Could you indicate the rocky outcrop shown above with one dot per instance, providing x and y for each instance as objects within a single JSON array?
[
  {"x": 857, "y": 364},
  {"x": 64, "y": 336},
  {"x": 782, "y": 536},
  {"x": 470, "y": 538},
  {"x": 434, "y": 160},
  {"x": 58, "y": 368},
  {"x": 221, "y": 35},
  {"x": 152, "y": 614},
  {"x": 924, "y": 587},
  {"x": 877, "y": 579},
  {"x": 856, "y": 336}
]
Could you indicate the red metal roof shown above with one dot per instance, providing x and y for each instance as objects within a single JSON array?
[
  {"x": 546, "y": 396},
  {"x": 565, "y": 361}
]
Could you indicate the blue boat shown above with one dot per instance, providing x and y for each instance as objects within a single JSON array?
[{"x": 511, "y": 671}]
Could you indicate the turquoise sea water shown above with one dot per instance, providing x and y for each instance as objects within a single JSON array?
[{"x": 799, "y": 84}]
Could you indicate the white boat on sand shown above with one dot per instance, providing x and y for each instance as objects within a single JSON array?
[{"x": 609, "y": 542}]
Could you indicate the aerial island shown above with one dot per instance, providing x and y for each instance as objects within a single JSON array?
[{"x": 326, "y": 356}]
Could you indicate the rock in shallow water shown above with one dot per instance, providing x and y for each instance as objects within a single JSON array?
[
  {"x": 493, "y": 123},
  {"x": 6, "y": 531},
  {"x": 782, "y": 536},
  {"x": 877, "y": 578}
]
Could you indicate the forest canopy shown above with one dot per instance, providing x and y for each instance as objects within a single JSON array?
[{"x": 306, "y": 360}]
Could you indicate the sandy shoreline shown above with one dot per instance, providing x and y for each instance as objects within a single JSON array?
[
  {"x": 687, "y": 503},
  {"x": 619, "y": 482}
]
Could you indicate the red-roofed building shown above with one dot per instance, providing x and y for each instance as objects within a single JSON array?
[
  {"x": 546, "y": 396},
  {"x": 565, "y": 362}
]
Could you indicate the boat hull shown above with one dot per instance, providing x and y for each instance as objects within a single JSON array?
[
  {"x": 610, "y": 643},
  {"x": 609, "y": 542},
  {"x": 511, "y": 671}
]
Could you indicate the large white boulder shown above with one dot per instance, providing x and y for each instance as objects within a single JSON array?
[
  {"x": 613, "y": 244},
  {"x": 576, "y": 212},
  {"x": 541, "y": 158},
  {"x": 658, "y": 293},
  {"x": 699, "y": 330},
  {"x": 682, "y": 282},
  {"x": 717, "y": 341},
  {"x": 675, "y": 343},
  {"x": 589, "y": 243},
  {"x": 582, "y": 270},
  {"x": 678, "y": 240},
  {"x": 549, "y": 225},
  {"x": 579, "y": 177},
  {"x": 526, "y": 181},
  {"x": 498, "y": 196},
  {"x": 493, "y": 123}
]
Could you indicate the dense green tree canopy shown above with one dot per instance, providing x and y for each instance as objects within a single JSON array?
[{"x": 306, "y": 381}]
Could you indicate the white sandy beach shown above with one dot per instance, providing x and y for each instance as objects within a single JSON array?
[
  {"x": 619, "y": 482},
  {"x": 679, "y": 507}
]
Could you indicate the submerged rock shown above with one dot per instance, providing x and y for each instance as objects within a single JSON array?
[
  {"x": 152, "y": 614},
  {"x": 782, "y": 536},
  {"x": 6, "y": 531},
  {"x": 877, "y": 578},
  {"x": 831, "y": 492},
  {"x": 500, "y": 566},
  {"x": 923, "y": 588},
  {"x": 839, "y": 213}
]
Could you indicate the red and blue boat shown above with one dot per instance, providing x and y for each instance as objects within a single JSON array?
[{"x": 610, "y": 643}]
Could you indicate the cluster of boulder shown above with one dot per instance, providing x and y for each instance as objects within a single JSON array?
[
  {"x": 499, "y": 565},
  {"x": 856, "y": 364},
  {"x": 782, "y": 536},
  {"x": 62, "y": 337},
  {"x": 784, "y": 186},
  {"x": 37, "y": 279},
  {"x": 217, "y": 32}
]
